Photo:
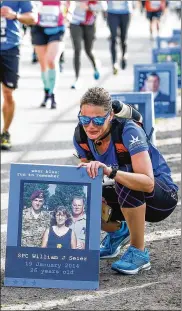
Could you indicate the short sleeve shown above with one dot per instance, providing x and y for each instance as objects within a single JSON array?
[
  {"x": 26, "y": 6},
  {"x": 80, "y": 152},
  {"x": 134, "y": 138}
]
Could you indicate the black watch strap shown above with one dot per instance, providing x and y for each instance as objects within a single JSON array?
[{"x": 113, "y": 173}]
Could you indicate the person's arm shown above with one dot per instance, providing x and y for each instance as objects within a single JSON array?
[
  {"x": 45, "y": 238},
  {"x": 80, "y": 152},
  {"x": 142, "y": 178},
  {"x": 27, "y": 16},
  {"x": 73, "y": 240}
]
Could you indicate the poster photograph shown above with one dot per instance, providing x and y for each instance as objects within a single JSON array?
[
  {"x": 53, "y": 236},
  {"x": 169, "y": 55},
  {"x": 161, "y": 80}
]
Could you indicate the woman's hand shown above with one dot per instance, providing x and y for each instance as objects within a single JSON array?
[{"x": 93, "y": 166}]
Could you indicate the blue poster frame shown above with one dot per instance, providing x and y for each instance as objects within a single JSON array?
[
  {"x": 168, "y": 51},
  {"x": 174, "y": 38},
  {"x": 177, "y": 32},
  {"x": 17, "y": 274},
  {"x": 145, "y": 105},
  {"x": 157, "y": 68}
]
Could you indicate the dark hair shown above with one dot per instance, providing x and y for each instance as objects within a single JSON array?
[
  {"x": 153, "y": 74},
  {"x": 97, "y": 96},
  {"x": 64, "y": 211}
]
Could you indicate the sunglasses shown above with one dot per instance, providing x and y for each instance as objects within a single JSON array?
[{"x": 99, "y": 121}]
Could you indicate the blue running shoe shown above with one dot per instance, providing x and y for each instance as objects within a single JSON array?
[
  {"x": 96, "y": 75},
  {"x": 132, "y": 261},
  {"x": 113, "y": 242}
]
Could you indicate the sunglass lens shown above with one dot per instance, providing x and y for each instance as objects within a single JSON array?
[
  {"x": 99, "y": 121},
  {"x": 84, "y": 120}
]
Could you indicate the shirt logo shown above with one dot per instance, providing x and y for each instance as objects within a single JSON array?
[
  {"x": 134, "y": 140},
  {"x": 59, "y": 245}
]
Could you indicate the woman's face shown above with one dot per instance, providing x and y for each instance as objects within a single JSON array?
[
  {"x": 94, "y": 131},
  {"x": 60, "y": 218}
]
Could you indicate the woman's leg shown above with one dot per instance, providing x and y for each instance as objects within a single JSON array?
[
  {"x": 76, "y": 36},
  {"x": 113, "y": 23},
  {"x": 88, "y": 37},
  {"x": 54, "y": 49},
  {"x": 124, "y": 26},
  {"x": 41, "y": 55},
  {"x": 161, "y": 202},
  {"x": 135, "y": 218}
]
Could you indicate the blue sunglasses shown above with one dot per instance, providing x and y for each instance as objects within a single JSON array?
[{"x": 99, "y": 121}]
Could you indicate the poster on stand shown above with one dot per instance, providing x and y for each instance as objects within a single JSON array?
[{"x": 53, "y": 234}]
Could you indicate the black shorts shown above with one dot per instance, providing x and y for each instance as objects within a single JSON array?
[
  {"x": 9, "y": 67},
  {"x": 40, "y": 38},
  {"x": 152, "y": 15},
  {"x": 159, "y": 204}
]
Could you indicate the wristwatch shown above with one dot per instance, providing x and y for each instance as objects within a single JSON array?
[
  {"x": 113, "y": 173},
  {"x": 16, "y": 16}
]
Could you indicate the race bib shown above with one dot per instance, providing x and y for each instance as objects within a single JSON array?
[
  {"x": 155, "y": 4},
  {"x": 3, "y": 29},
  {"x": 49, "y": 16}
]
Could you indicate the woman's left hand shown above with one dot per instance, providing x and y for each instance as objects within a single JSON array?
[{"x": 93, "y": 166}]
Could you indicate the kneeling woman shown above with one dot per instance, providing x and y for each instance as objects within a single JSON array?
[
  {"x": 59, "y": 235},
  {"x": 143, "y": 186}
]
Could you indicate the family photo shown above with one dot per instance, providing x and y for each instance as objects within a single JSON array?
[{"x": 54, "y": 216}]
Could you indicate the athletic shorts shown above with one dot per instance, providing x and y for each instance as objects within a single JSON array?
[
  {"x": 40, "y": 38},
  {"x": 159, "y": 204},
  {"x": 152, "y": 15},
  {"x": 9, "y": 67}
]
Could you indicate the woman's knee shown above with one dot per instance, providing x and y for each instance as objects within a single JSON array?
[
  {"x": 8, "y": 95},
  {"x": 51, "y": 62}
]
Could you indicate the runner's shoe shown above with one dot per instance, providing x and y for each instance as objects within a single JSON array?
[
  {"x": 46, "y": 98},
  {"x": 34, "y": 58},
  {"x": 53, "y": 102},
  {"x": 76, "y": 85},
  {"x": 5, "y": 141},
  {"x": 96, "y": 75},
  {"x": 115, "y": 69},
  {"x": 123, "y": 63},
  {"x": 132, "y": 261},
  {"x": 113, "y": 242}
]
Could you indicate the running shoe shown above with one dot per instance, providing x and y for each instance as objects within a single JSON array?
[
  {"x": 113, "y": 242},
  {"x": 53, "y": 102},
  {"x": 5, "y": 141},
  {"x": 46, "y": 98},
  {"x": 96, "y": 75},
  {"x": 76, "y": 85},
  {"x": 132, "y": 261},
  {"x": 123, "y": 63},
  {"x": 115, "y": 69}
]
